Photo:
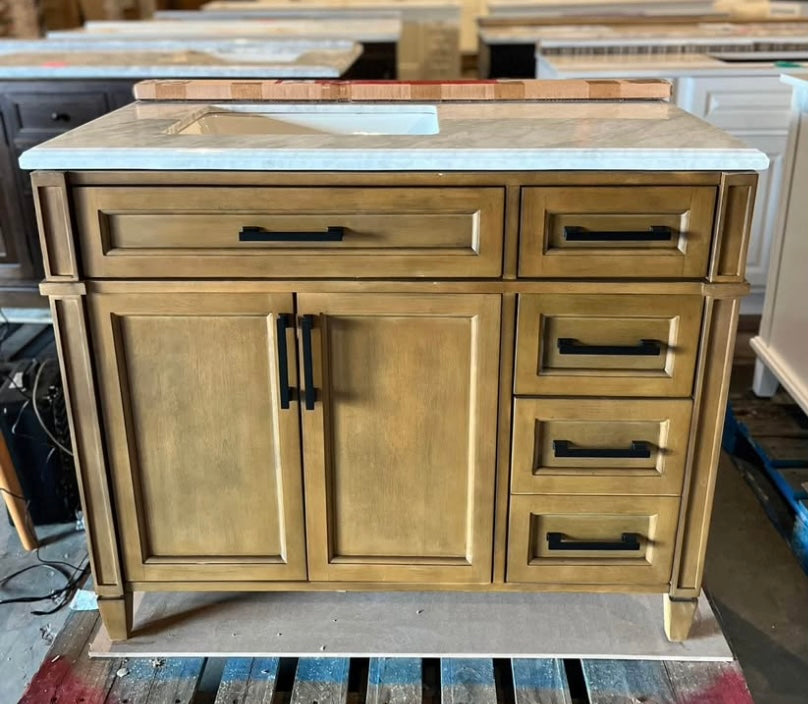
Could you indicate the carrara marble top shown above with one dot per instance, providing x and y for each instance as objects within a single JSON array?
[
  {"x": 669, "y": 66},
  {"x": 491, "y": 136},
  {"x": 55, "y": 59},
  {"x": 376, "y": 29}
]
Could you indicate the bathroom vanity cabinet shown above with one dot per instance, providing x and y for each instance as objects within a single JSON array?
[{"x": 416, "y": 378}]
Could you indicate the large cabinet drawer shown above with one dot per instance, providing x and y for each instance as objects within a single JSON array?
[
  {"x": 592, "y": 539},
  {"x": 599, "y": 446},
  {"x": 619, "y": 232},
  {"x": 610, "y": 345},
  {"x": 183, "y": 232}
]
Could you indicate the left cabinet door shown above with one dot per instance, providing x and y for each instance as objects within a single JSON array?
[{"x": 203, "y": 445}]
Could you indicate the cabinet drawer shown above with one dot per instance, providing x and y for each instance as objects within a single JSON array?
[
  {"x": 603, "y": 446},
  {"x": 618, "y": 232},
  {"x": 612, "y": 345},
  {"x": 592, "y": 539},
  {"x": 291, "y": 232},
  {"x": 57, "y": 112}
]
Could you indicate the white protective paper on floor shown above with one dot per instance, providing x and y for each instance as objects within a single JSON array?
[{"x": 416, "y": 624}]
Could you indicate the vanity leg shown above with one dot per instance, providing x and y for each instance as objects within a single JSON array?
[
  {"x": 117, "y": 614},
  {"x": 679, "y": 614},
  {"x": 764, "y": 383}
]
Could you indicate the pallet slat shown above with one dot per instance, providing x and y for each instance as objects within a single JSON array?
[
  {"x": 66, "y": 668},
  {"x": 134, "y": 682},
  {"x": 540, "y": 681},
  {"x": 321, "y": 680},
  {"x": 176, "y": 681},
  {"x": 394, "y": 681},
  {"x": 467, "y": 681},
  {"x": 708, "y": 683},
  {"x": 627, "y": 682},
  {"x": 248, "y": 681}
]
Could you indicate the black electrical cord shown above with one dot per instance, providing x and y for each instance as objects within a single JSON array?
[{"x": 73, "y": 577}]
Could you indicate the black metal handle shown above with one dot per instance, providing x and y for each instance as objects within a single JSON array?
[
  {"x": 646, "y": 348},
  {"x": 655, "y": 233},
  {"x": 283, "y": 359},
  {"x": 251, "y": 233},
  {"x": 60, "y": 117},
  {"x": 310, "y": 394},
  {"x": 558, "y": 541},
  {"x": 638, "y": 450}
]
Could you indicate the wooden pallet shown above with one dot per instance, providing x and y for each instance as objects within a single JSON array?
[
  {"x": 769, "y": 440},
  {"x": 69, "y": 676}
]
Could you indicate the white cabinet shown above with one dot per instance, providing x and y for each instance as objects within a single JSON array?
[
  {"x": 782, "y": 344},
  {"x": 754, "y": 108}
]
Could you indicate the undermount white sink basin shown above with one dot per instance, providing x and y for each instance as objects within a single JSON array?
[{"x": 308, "y": 119}]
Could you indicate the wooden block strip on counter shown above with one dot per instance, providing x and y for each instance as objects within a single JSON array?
[{"x": 432, "y": 91}]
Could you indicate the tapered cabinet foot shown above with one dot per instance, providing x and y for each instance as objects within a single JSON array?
[
  {"x": 679, "y": 614},
  {"x": 117, "y": 615}
]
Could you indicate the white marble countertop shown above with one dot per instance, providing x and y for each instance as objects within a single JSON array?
[
  {"x": 667, "y": 66},
  {"x": 376, "y": 29},
  {"x": 596, "y": 135},
  {"x": 58, "y": 59},
  {"x": 798, "y": 79}
]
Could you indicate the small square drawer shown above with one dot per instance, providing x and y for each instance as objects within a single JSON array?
[
  {"x": 56, "y": 112},
  {"x": 599, "y": 446},
  {"x": 281, "y": 232},
  {"x": 610, "y": 345},
  {"x": 592, "y": 539},
  {"x": 617, "y": 232}
]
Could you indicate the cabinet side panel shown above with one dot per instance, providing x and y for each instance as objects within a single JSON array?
[
  {"x": 711, "y": 401},
  {"x": 74, "y": 357}
]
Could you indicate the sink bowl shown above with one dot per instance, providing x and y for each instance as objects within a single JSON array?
[{"x": 307, "y": 119}]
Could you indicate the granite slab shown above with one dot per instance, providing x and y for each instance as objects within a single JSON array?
[
  {"x": 673, "y": 66},
  {"x": 265, "y": 61},
  {"x": 491, "y": 136},
  {"x": 378, "y": 29}
]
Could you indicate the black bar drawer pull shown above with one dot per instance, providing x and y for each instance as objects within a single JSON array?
[
  {"x": 638, "y": 450},
  {"x": 646, "y": 348},
  {"x": 655, "y": 233},
  {"x": 250, "y": 233},
  {"x": 558, "y": 541},
  {"x": 283, "y": 359},
  {"x": 310, "y": 394}
]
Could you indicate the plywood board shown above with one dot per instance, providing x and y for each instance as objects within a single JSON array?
[
  {"x": 411, "y": 624},
  {"x": 398, "y": 91}
]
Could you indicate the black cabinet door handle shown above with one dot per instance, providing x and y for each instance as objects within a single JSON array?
[
  {"x": 646, "y": 348},
  {"x": 638, "y": 450},
  {"x": 251, "y": 233},
  {"x": 310, "y": 393},
  {"x": 655, "y": 233},
  {"x": 282, "y": 324},
  {"x": 60, "y": 117},
  {"x": 558, "y": 541}
]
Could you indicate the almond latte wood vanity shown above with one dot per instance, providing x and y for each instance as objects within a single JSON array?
[{"x": 493, "y": 356}]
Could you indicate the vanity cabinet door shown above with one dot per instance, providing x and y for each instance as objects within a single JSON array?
[
  {"x": 202, "y": 441},
  {"x": 399, "y": 409}
]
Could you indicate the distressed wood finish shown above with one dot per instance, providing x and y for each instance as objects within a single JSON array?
[
  {"x": 547, "y": 249},
  {"x": 394, "y": 681},
  {"x": 593, "y": 425},
  {"x": 190, "y": 440},
  {"x": 439, "y": 382},
  {"x": 540, "y": 681},
  {"x": 410, "y": 498},
  {"x": 669, "y": 322},
  {"x": 248, "y": 681}
]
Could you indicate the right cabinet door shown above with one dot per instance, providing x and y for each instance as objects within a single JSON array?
[{"x": 399, "y": 408}]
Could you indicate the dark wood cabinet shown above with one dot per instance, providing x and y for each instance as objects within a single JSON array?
[{"x": 32, "y": 112}]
